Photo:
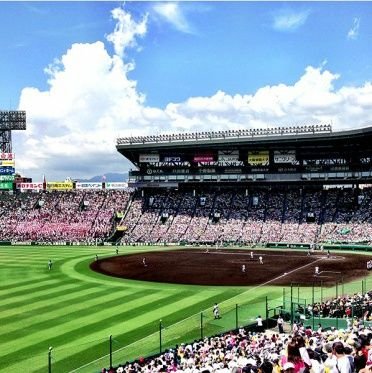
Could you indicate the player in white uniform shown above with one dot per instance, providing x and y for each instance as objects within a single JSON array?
[
  {"x": 243, "y": 268},
  {"x": 260, "y": 259},
  {"x": 216, "y": 311},
  {"x": 316, "y": 271}
]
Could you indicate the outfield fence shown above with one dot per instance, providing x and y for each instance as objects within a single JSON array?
[{"x": 165, "y": 333}]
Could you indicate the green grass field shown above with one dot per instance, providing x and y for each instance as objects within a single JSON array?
[{"x": 74, "y": 310}]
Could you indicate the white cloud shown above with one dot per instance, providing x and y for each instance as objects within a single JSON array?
[
  {"x": 172, "y": 13},
  {"x": 126, "y": 31},
  {"x": 312, "y": 99},
  {"x": 90, "y": 101},
  {"x": 288, "y": 20},
  {"x": 354, "y": 31}
]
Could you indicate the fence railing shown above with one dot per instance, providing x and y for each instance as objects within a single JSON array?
[{"x": 235, "y": 313}]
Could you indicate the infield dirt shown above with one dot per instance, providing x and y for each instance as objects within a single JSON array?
[{"x": 224, "y": 267}]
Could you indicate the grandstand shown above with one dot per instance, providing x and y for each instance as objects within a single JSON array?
[{"x": 305, "y": 187}]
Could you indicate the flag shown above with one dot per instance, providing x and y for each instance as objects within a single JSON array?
[{"x": 44, "y": 182}]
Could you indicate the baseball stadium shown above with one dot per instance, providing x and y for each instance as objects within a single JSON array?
[{"x": 189, "y": 265}]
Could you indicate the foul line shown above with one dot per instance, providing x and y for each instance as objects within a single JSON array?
[{"x": 191, "y": 316}]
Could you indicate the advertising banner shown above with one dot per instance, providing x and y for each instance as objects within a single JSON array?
[
  {"x": 87, "y": 185},
  {"x": 7, "y": 163},
  {"x": 7, "y": 178},
  {"x": 7, "y": 170},
  {"x": 59, "y": 185},
  {"x": 171, "y": 158},
  {"x": 29, "y": 186},
  {"x": 6, "y": 185},
  {"x": 7, "y": 156},
  {"x": 258, "y": 158},
  {"x": 116, "y": 185},
  {"x": 149, "y": 158},
  {"x": 285, "y": 156},
  {"x": 228, "y": 155},
  {"x": 203, "y": 157}
]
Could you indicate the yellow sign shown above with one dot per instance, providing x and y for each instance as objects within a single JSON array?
[
  {"x": 258, "y": 158},
  {"x": 59, "y": 185},
  {"x": 121, "y": 228},
  {"x": 7, "y": 163}
]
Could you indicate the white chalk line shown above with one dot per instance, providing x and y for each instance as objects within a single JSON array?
[{"x": 191, "y": 316}]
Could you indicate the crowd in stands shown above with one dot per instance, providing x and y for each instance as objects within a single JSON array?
[
  {"x": 347, "y": 306},
  {"x": 252, "y": 217},
  {"x": 300, "y": 350},
  {"x": 60, "y": 216}
]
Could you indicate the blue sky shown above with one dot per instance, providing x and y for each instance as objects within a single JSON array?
[{"x": 88, "y": 72}]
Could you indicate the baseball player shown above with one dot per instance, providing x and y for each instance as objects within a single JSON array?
[
  {"x": 260, "y": 259},
  {"x": 216, "y": 311}
]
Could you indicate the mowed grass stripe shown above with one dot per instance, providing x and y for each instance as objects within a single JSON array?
[
  {"x": 68, "y": 311},
  {"x": 43, "y": 293},
  {"x": 21, "y": 308},
  {"x": 79, "y": 294},
  {"x": 66, "y": 333},
  {"x": 33, "y": 285},
  {"x": 8, "y": 285},
  {"x": 137, "y": 323},
  {"x": 141, "y": 327}
]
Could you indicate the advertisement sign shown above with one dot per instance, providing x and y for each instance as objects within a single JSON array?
[
  {"x": 258, "y": 158},
  {"x": 29, "y": 186},
  {"x": 87, "y": 185},
  {"x": 149, "y": 158},
  {"x": 6, "y": 185},
  {"x": 59, "y": 185},
  {"x": 7, "y": 178},
  {"x": 228, "y": 155},
  {"x": 203, "y": 157},
  {"x": 116, "y": 185},
  {"x": 6, "y": 170},
  {"x": 172, "y": 158},
  {"x": 7, "y": 156},
  {"x": 7, "y": 163},
  {"x": 285, "y": 156}
]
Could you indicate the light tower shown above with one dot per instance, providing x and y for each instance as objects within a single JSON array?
[{"x": 10, "y": 120}]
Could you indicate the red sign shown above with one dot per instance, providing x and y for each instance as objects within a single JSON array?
[
  {"x": 7, "y": 156},
  {"x": 34, "y": 186},
  {"x": 208, "y": 157}
]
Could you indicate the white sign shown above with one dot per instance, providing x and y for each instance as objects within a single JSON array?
[
  {"x": 116, "y": 185},
  {"x": 228, "y": 155},
  {"x": 285, "y": 156},
  {"x": 149, "y": 158},
  {"x": 87, "y": 185}
]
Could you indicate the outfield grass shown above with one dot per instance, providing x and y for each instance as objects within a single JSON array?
[{"x": 75, "y": 310}]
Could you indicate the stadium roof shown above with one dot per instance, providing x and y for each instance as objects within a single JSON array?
[{"x": 255, "y": 139}]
